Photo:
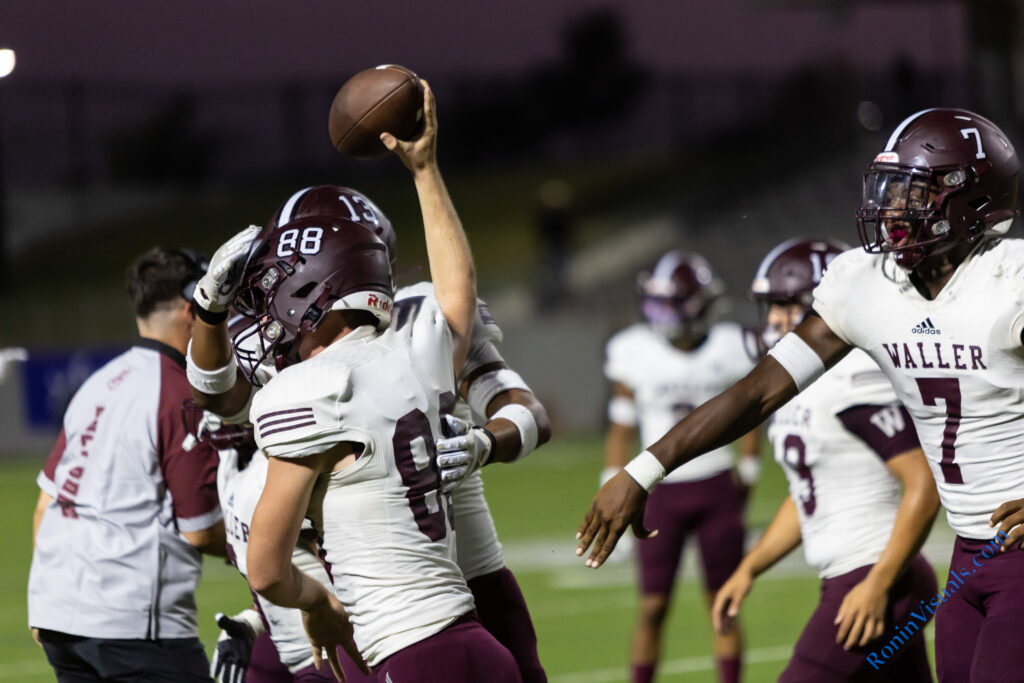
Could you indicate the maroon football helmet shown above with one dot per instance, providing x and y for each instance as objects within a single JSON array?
[
  {"x": 205, "y": 427},
  {"x": 337, "y": 202},
  {"x": 296, "y": 275},
  {"x": 677, "y": 296},
  {"x": 945, "y": 177},
  {"x": 787, "y": 275}
]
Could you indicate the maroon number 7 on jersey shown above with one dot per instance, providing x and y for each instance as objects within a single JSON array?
[{"x": 948, "y": 389}]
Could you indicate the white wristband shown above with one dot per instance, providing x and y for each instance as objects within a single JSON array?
[
  {"x": 749, "y": 470},
  {"x": 522, "y": 417},
  {"x": 798, "y": 359},
  {"x": 217, "y": 381},
  {"x": 645, "y": 470}
]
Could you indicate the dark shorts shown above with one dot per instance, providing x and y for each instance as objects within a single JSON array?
[
  {"x": 502, "y": 611},
  {"x": 979, "y": 620},
  {"x": 311, "y": 675},
  {"x": 265, "y": 664},
  {"x": 464, "y": 652},
  {"x": 77, "y": 659},
  {"x": 352, "y": 672},
  {"x": 817, "y": 658},
  {"x": 710, "y": 509}
]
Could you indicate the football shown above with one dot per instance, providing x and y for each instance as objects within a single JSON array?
[{"x": 387, "y": 98}]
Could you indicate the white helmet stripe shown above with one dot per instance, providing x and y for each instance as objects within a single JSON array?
[
  {"x": 289, "y": 206},
  {"x": 667, "y": 265},
  {"x": 899, "y": 129},
  {"x": 767, "y": 261}
]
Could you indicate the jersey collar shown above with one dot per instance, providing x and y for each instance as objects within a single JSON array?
[{"x": 160, "y": 347}]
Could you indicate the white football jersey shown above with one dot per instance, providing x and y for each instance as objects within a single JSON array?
[
  {"x": 239, "y": 492},
  {"x": 846, "y": 497},
  {"x": 955, "y": 362},
  {"x": 668, "y": 383},
  {"x": 477, "y": 547},
  {"x": 384, "y": 525}
]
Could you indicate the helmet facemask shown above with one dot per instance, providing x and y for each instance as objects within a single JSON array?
[{"x": 904, "y": 212}]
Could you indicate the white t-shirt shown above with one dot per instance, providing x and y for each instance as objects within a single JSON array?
[
  {"x": 668, "y": 383},
  {"x": 956, "y": 363},
  {"x": 386, "y": 529}
]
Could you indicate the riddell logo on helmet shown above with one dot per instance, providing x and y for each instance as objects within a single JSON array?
[
  {"x": 887, "y": 158},
  {"x": 377, "y": 302}
]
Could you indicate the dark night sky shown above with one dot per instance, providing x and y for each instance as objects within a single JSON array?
[{"x": 186, "y": 41}]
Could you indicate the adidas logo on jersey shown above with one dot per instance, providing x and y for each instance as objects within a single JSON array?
[{"x": 925, "y": 327}]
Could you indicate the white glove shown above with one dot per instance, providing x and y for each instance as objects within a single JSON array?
[
  {"x": 234, "y": 646},
  {"x": 10, "y": 356},
  {"x": 464, "y": 452},
  {"x": 216, "y": 289}
]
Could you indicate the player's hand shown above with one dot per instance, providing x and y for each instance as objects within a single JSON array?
[
  {"x": 730, "y": 596},
  {"x": 619, "y": 504},
  {"x": 419, "y": 154},
  {"x": 464, "y": 450},
  {"x": 216, "y": 289},
  {"x": 35, "y": 637},
  {"x": 861, "y": 616},
  {"x": 327, "y": 629},
  {"x": 1010, "y": 518},
  {"x": 234, "y": 645}
]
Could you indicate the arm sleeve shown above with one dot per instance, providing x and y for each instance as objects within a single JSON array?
[
  {"x": 886, "y": 429},
  {"x": 190, "y": 476}
]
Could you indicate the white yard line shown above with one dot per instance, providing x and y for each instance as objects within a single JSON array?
[
  {"x": 685, "y": 665},
  {"x": 675, "y": 666}
]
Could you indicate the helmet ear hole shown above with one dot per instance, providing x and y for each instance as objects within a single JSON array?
[{"x": 303, "y": 291}]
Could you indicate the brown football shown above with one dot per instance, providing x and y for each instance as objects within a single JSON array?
[{"x": 387, "y": 98}]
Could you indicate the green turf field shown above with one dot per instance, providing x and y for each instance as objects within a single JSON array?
[{"x": 583, "y": 617}]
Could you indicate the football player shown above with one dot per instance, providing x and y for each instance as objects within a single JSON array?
[
  {"x": 660, "y": 370},
  {"x": 490, "y": 394},
  {"x": 267, "y": 643},
  {"x": 385, "y": 524},
  {"x": 936, "y": 298},
  {"x": 846, "y": 445}
]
